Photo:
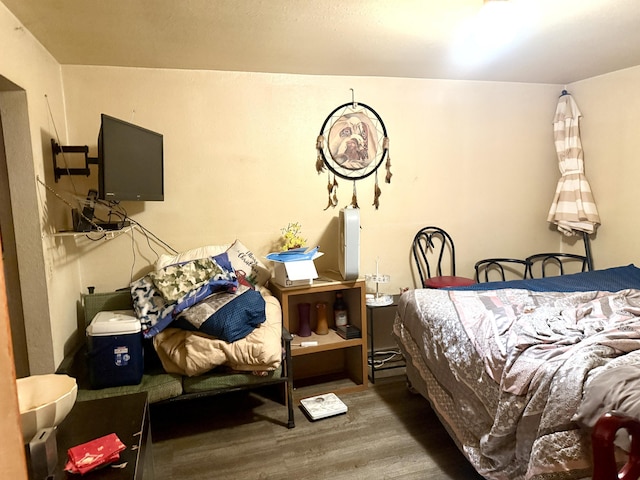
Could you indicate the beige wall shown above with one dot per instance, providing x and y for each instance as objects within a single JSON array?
[
  {"x": 25, "y": 65},
  {"x": 610, "y": 106},
  {"x": 476, "y": 158}
]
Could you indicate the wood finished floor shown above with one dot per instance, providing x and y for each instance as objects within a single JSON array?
[{"x": 388, "y": 433}]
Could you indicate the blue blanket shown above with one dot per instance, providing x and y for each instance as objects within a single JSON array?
[{"x": 608, "y": 280}]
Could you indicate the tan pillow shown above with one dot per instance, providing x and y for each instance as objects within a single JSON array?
[{"x": 193, "y": 254}]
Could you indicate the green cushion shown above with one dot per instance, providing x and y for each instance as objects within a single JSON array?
[
  {"x": 224, "y": 379},
  {"x": 159, "y": 386},
  {"x": 98, "y": 302}
]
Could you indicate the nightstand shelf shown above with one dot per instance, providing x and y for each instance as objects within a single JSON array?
[
  {"x": 330, "y": 341},
  {"x": 334, "y": 364}
]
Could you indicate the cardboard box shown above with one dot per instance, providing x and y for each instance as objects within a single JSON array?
[{"x": 295, "y": 273}]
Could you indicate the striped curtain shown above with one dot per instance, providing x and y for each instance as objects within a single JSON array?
[{"x": 573, "y": 209}]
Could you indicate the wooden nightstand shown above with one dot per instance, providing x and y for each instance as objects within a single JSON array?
[{"x": 335, "y": 364}]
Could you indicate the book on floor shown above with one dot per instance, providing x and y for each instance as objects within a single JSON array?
[{"x": 323, "y": 406}]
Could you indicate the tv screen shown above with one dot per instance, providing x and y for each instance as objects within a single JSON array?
[{"x": 130, "y": 162}]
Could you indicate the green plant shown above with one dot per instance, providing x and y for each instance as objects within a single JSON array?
[{"x": 291, "y": 237}]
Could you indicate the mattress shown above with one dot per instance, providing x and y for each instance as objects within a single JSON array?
[{"x": 505, "y": 369}]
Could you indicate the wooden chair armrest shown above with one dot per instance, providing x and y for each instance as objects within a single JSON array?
[{"x": 602, "y": 438}]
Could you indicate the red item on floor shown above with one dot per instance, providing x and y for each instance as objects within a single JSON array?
[{"x": 93, "y": 454}]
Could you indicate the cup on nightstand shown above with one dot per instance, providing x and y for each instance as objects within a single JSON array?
[
  {"x": 304, "y": 324},
  {"x": 322, "y": 327}
]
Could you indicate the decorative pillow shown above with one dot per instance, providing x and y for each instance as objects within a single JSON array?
[
  {"x": 232, "y": 321},
  {"x": 193, "y": 254},
  {"x": 198, "y": 314},
  {"x": 247, "y": 265},
  {"x": 176, "y": 281}
]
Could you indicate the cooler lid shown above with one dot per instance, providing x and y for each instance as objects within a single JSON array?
[{"x": 119, "y": 322}]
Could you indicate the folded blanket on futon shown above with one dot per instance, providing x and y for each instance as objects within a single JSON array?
[
  {"x": 161, "y": 295},
  {"x": 225, "y": 315},
  {"x": 193, "y": 352}
]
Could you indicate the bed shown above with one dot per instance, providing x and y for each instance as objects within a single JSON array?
[{"x": 517, "y": 370}]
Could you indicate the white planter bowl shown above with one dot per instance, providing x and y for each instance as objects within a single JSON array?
[{"x": 45, "y": 400}]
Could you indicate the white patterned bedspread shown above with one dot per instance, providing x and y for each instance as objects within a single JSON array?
[{"x": 505, "y": 370}]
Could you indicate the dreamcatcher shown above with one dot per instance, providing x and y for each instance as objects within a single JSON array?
[{"x": 352, "y": 144}]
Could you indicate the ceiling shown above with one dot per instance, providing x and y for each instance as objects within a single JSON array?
[{"x": 554, "y": 41}]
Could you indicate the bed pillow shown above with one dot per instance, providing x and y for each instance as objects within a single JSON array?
[
  {"x": 247, "y": 265},
  {"x": 156, "y": 312},
  {"x": 226, "y": 318},
  {"x": 188, "y": 255},
  {"x": 176, "y": 281},
  {"x": 199, "y": 313}
]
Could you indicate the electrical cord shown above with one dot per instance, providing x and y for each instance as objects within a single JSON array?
[
  {"x": 390, "y": 356},
  {"x": 66, "y": 202},
  {"x": 118, "y": 210},
  {"x": 147, "y": 233},
  {"x": 114, "y": 209}
]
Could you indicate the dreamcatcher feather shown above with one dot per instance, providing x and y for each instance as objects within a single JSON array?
[
  {"x": 352, "y": 145},
  {"x": 319, "y": 161}
]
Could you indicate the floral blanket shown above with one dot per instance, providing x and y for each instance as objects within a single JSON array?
[
  {"x": 505, "y": 370},
  {"x": 518, "y": 333}
]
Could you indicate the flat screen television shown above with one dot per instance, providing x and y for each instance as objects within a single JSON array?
[{"x": 130, "y": 162}]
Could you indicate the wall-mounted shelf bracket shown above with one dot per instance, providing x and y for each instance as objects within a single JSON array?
[{"x": 59, "y": 171}]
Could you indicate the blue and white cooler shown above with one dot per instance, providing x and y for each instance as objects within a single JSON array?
[{"x": 115, "y": 355}]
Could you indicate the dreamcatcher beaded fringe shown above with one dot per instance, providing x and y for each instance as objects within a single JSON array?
[{"x": 352, "y": 145}]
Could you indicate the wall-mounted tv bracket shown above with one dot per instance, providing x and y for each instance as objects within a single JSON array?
[{"x": 59, "y": 171}]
